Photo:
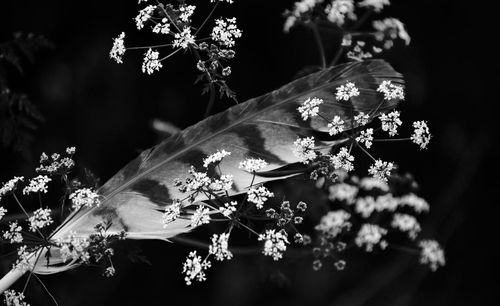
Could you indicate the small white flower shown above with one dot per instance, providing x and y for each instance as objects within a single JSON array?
[
  {"x": 118, "y": 49},
  {"x": 183, "y": 39},
  {"x": 162, "y": 27},
  {"x": 144, "y": 16},
  {"x": 369, "y": 183},
  {"x": 258, "y": 196},
  {"x": 275, "y": 244},
  {"x": 172, "y": 212},
  {"x": 198, "y": 180},
  {"x": 226, "y": 71},
  {"x": 14, "y": 233},
  {"x": 431, "y": 254},
  {"x": 391, "y": 91},
  {"x": 84, "y": 197},
  {"x": 3, "y": 211},
  {"x": 151, "y": 63},
  {"x": 70, "y": 150},
  {"x": 381, "y": 169},
  {"x": 253, "y": 164},
  {"x": 225, "y": 183},
  {"x": 304, "y": 149},
  {"x": 376, "y": 5},
  {"x": 393, "y": 27},
  {"x": 342, "y": 192},
  {"x": 23, "y": 262},
  {"x": 370, "y": 235},
  {"x": 74, "y": 247},
  {"x": 413, "y": 201},
  {"x": 194, "y": 268},
  {"x": 339, "y": 9},
  {"x": 225, "y": 32},
  {"x": 109, "y": 272},
  {"x": 200, "y": 216},
  {"x": 343, "y": 160},
  {"x": 310, "y": 108},
  {"x": 336, "y": 126},
  {"x": 37, "y": 184},
  {"x": 361, "y": 119},
  {"x": 186, "y": 11},
  {"x": 40, "y": 219},
  {"x": 386, "y": 202},
  {"x": 391, "y": 122},
  {"x": 346, "y": 91},
  {"x": 219, "y": 247},
  {"x": 366, "y": 137},
  {"x": 406, "y": 223},
  {"x": 228, "y": 209},
  {"x": 333, "y": 223},
  {"x": 10, "y": 186},
  {"x": 13, "y": 298},
  {"x": 421, "y": 134},
  {"x": 215, "y": 158},
  {"x": 365, "y": 206}
]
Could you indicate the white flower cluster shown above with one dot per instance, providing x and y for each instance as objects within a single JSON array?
[
  {"x": 172, "y": 212},
  {"x": 421, "y": 134},
  {"x": 361, "y": 119},
  {"x": 392, "y": 27},
  {"x": 118, "y": 49},
  {"x": 186, "y": 11},
  {"x": 194, "y": 268},
  {"x": 228, "y": 209},
  {"x": 13, "y": 298},
  {"x": 304, "y": 149},
  {"x": 339, "y": 9},
  {"x": 369, "y": 236},
  {"x": 3, "y": 211},
  {"x": 144, "y": 15},
  {"x": 183, "y": 39},
  {"x": 369, "y": 183},
  {"x": 415, "y": 202},
  {"x": 200, "y": 216},
  {"x": 198, "y": 180},
  {"x": 10, "y": 186},
  {"x": 258, "y": 196},
  {"x": 346, "y": 91},
  {"x": 391, "y": 122},
  {"x": 37, "y": 184},
  {"x": 162, "y": 27},
  {"x": 310, "y": 108},
  {"x": 215, "y": 158},
  {"x": 74, "y": 248},
  {"x": 333, "y": 223},
  {"x": 225, "y": 32},
  {"x": 358, "y": 52},
  {"x": 55, "y": 163},
  {"x": 84, "y": 197},
  {"x": 431, "y": 254},
  {"x": 343, "y": 160},
  {"x": 23, "y": 262},
  {"x": 14, "y": 233},
  {"x": 219, "y": 247},
  {"x": 342, "y": 192},
  {"x": 406, "y": 223},
  {"x": 376, "y": 5},
  {"x": 275, "y": 243},
  {"x": 336, "y": 126},
  {"x": 365, "y": 206},
  {"x": 299, "y": 8},
  {"x": 151, "y": 63},
  {"x": 40, "y": 219},
  {"x": 381, "y": 169},
  {"x": 366, "y": 137},
  {"x": 391, "y": 91},
  {"x": 224, "y": 183},
  {"x": 253, "y": 164}
]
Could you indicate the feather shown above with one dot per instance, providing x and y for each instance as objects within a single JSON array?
[{"x": 264, "y": 127}]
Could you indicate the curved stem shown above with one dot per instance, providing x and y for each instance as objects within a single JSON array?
[{"x": 319, "y": 43}]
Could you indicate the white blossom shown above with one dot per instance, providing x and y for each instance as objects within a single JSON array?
[
  {"x": 421, "y": 134},
  {"x": 84, "y": 197},
  {"x": 10, "y": 186},
  {"x": 361, "y": 119},
  {"x": 14, "y": 233},
  {"x": 366, "y": 137},
  {"x": 365, "y": 206},
  {"x": 151, "y": 63},
  {"x": 253, "y": 164},
  {"x": 381, "y": 169},
  {"x": 310, "y": 108},
  {"x": 342, "y": 192},
  {"x": 200, "y": 216},
  {"x": 369, "y": 183},
  {"x": 183, "y": 39},
  {"x": 391, "y": 91},
  {"x": 162, "y": 27},
  {"x": 186, "y": 11},
  {"x": 109, "y": 272},
  {"x": 259, "y": 195},
  {"x": 376, "y": 5},
  {"x": 343, "y": 160},
  {"x": 144, "y": 16},
  {"x": 275, "y": 244},
  {"x": 40, "y": 219},
  {"x": 406, "y": 223},
  {"x": 219, "y": 247},
  {"x": 393, "y": 27},
  {"x": 70, "y": 150},
  {"x": 431, "y": 254},
  {"x": 346, "y": 91},
  {"x": 336, "y": 126},
  {"x": 225, "y": 31},
  {"x": 215, "y": 158},
  {"x": 13, "y": 298},
  {"x": 74, "y": 247},
  {"x": 386, "y": 202},
  {"x": 118, "y": 49},
  {"x": 370, "y": 235},
  {"x": 198, "y": 180},
  {"x": 225, "y": 183},
  {"x": 339, "y": 9},
  {"x": 3, "y": 211},
  {"x": 172, "y": 212},
  {"x": 333, "y": 223},
  {"x": 23, "y": 262},
  {"x": 391, "y": 122},
  {"x": 415, "y": 202},
  {"x": 194, "y": 268},
  {"x": 228, "y": 209},
  {"x": 37, "y": 184},
  {"x": 304, "y": 149}
]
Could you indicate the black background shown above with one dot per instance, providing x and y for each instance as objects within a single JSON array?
[{"x": 105, "y": 110}]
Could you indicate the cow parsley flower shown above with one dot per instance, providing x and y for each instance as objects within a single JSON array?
[
  {"x": 406, "y": 223},
  {"x": 336, "y": 126},
  {"x": 200, "y": 216},
  {"x": 431, "y": 254},
  {"x": 376, "y": 5},
  {"x": 74, "y": 248},
  {"x": 109, "y": 272},
  {"x": 365, "y": 206},
  {"x": 346, "y": 91},
  {"x": 183, "y": 39},
  {"x": 391, "y": 91},
  {"x": 339, "y": 9},
  {"x": 391, "y": 122},
  {"x": 151, "y": 63},
  {"x": 225, "y": 32},
  {"x": 393, "y": 27},
  {"x": 310, "y": 108},
  {"x": 10, "y": 186},
  {"x": 275, "y": 244},
  {"x": 3, "y": 211},
  {"x": 366, "y": 137},
  {"x": 370, "y": 183},
  {"x": 219, "y": 247},
  {"x": 333, "y": 223},
  {"x": 144, "y": 16},
  {"x": 302, "y": 206},
  {"x": 84, "y": 197},
  {"x": 198, "y": 180},
  {"x": 186, "y": 11},
  {"x": 118, "y": 49},
  {"x": 228, "y": 209},
  {"x": 304, "y": 149},
  {"x": 225, "y": 183},
  {"x": 162, "y": 27},
  {"x": 23, "y": 262},
  {"x": 172, "y": 212},
  {"x": 14, "y": 233},
  {"x": 194, "y": 268},
  {"x": 40, "y": 219},
  {"x": 37, "y": 184},
  {"x": 381, "y": 169},
  {"x": 361, "y": 119},
  {"x": 259, "y": 195},
  {"x": 421, "y": 134},
  {"x": 343, "y": 160},
  {"x": 253, "y": 164},
  {"x": 215, "y": 158},
  {"x": 13, "y": 298},
  {"x": 415, "y": 202},
  {"x": 369, "y": 236},
  {"x": 342, "y": 192}
]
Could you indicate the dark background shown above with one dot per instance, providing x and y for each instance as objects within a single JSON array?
[{"x": 105, "y": 110}]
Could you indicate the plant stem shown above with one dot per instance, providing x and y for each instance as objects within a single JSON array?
[
  {"x": 319, "y": 43},
  {"x": 210, "y": 101},
  {"x": 208, "y": 17},
  {"x": 391, "y": 139}
]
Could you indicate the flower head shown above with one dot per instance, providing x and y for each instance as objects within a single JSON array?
[
  {"x": 219, "y": 247},
  {"x": 200, "y": 216},
  {"x": 14, "y": 233},
  {"x": 346, "y": 91},
  {"x": 13, "y": 298},
  {"x": 406, "y": 223},
  {"x": 40, "y": 219},
  {"x": 366, "y": 137},
  {"x": 431, "y": 254},
  {"x": 183, "y": 39},
  {"x": 10, "y": 186},
  {"x": 253, "y": 164},
  {"x": 162, "y": 27},
  {"x": 336, "y": 126},
  {"x": 339, "y": 9},
  {"x": 333, "y": 223},
  {"x": 259, "y": 195},
  {"x": 361, "y": 119},
  {"x": 376, "y": 5},
  {"x": 144, "y": 16},
  {"x": 118, "y": 49},
  {"x": 84, "y": 197},
  {"x": 37, "y": 184},
  {"x": 370, "y": 235},
  {"x": 310, "y": 108},
  {"x": 225, "y": 32},
  {"x": 343, "y": 160},
  {"x": 172, "y": 212},
  {"x": 304, "y": 149},
  {"x": 275, "y": 243},
  {"x": 215, "y": 158},
  {"x": 381, "y": 169},
  {"x": 151, "y": 63},
  {"x": 391, "y": 122},
  {"x": 194, "y": 268},
  {"x": 392, "y": 27},
  {"x": 421, "y": 134},
  {"x": 391, "y": 91}
]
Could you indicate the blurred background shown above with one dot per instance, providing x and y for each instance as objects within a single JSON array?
[{"x": 106, "y": 111}]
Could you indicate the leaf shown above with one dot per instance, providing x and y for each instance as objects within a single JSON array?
[{"x": 263, "y": 127}]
